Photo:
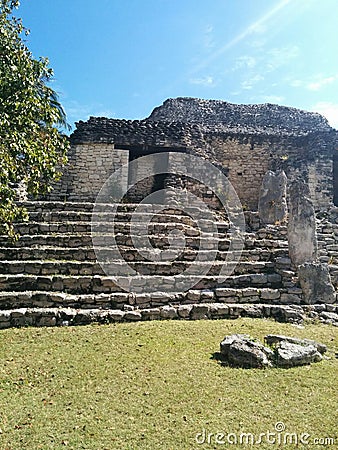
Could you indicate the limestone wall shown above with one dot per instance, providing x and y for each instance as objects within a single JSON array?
[
  {"x": 245, "y": 140},
  {"x": 90, "y": 165},
  {"x": 246, "y": 167},
  {"x": 321, "y": 177},
  {"x": 247, "y": 159}
]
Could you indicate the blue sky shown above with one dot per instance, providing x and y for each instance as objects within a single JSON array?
[{"x": 121, "y": 58}]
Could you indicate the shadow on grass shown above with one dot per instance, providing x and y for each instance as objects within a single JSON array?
[{"x": 222, "y": 361}]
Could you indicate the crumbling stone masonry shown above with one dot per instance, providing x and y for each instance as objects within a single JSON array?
[{"x": 245, "y": 140}]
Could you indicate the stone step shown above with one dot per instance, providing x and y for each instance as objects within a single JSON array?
[
  {"x": 37, "y": 228},
  {"x": 204, "y": 228},
  {"x": 85, "y": 216},
  {"x": 82, "y": 284},
  {"x": 22, "y": 317},
  {"x": 71, "y": 206},
  {"x": 273, "y": 233},
  {"x": 56, "y": 206},
  {"x": 119, "y": 267},
  {"x": 327, "y": 240},
  {"x": 45, "y": 253},
  {"x": 327, "y": 229},
  {"x": 324, "y": 236},
  {"x": 331, "y": 247},
  {"x": 104, "y": 240},
  {"x": 45, "y": 299},
  {"x": 164, "y": 241},
  {"x": 51, "y": 274}
]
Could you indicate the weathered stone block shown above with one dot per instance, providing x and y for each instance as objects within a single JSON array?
[
  {"x": 184, "y": 311},
  {"x": 255, "y": 311},
  {"x": 242, "y": 351},
  {"x": 273, "y": 339},
  {"x": 290, "y": 355},
  {"x": 168, "y": 312},
  {"x": 226, "y": 292},
  {"x": 133, "y": 315},
  {"x": 46, "y": 321},
  {"x": 116, "y": 315},
  {"x": 290, "y": 299},
  {"x": 249, "y": 292},
  {"x": 287, "y": 313},
  {"x": 315, "y": 281},
  {"x": 329, "y": 317},
  {"x": 269, "y": 294},
  {"x": 207, "y": 296},
  {"x": 283, "y": 262},
  {"x": 194, "y": 295},
  {"x": 151, "y": 314},
  {"x": 259, "y": 278},
  {"x": 274, "y": 278},
  {"x": 199, "y": 312},
  {"x": 272, "y": 206},
  {"x": 301, "y": 225},
  {"x": 218, "y": 310}
]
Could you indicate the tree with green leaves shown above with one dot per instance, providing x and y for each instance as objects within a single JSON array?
[{"x": 32, "y": 147}]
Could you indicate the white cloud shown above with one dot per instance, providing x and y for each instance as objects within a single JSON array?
[
  {"x": 273, "y": 99},
  {"x": 270, "y": 61},
  {"x": 328, "y": 110},
  {"x": 254, "y": 29},
  {"x": 314, "y": 83},
  {"x": 208, "y": 40},
  {"x": 296, "y": 83},
  {"x": 250, "y": 82},
  {"x": 317, "y": 85},
  {"x": 277, "y": 57},
  {"x": 245, "y": 62},
  {"x": 204, "y": 81}
]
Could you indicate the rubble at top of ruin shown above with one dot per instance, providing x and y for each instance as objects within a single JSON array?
[
  {"x": 264, "y": 117},
  {"x": 185, "y": 121}
]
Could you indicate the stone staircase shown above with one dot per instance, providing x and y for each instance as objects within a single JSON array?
[
  {"x": 51, "y": 275},
  {"x": 327, "y": 235}
]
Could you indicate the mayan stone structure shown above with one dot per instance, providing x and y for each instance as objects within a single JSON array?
[
  {"x": 245, "y": 140},
  {"x": 82, "y": 258}
]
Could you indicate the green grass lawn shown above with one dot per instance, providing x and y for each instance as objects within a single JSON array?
[{"x": 155, "y": 385}]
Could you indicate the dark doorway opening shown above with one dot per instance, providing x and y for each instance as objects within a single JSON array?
[{"x": 149, "y": 184}]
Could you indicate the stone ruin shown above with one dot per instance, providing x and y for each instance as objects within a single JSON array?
[
  {"x": 240, "y": 350},
  {"x": 246, "y": 141},
  {"x": 282, "y": 165}
]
